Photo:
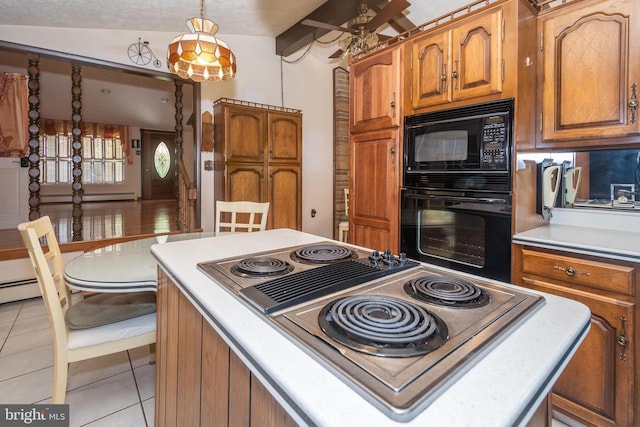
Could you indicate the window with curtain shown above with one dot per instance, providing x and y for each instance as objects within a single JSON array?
[
  {"x": 102, "y": 160},
  {"x": 103, "y": 153}
]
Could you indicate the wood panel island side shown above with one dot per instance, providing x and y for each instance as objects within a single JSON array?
[{"x": 220, "y": 363}]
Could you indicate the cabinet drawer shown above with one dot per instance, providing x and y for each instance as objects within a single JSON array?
[{"x": 594, "y": 274}]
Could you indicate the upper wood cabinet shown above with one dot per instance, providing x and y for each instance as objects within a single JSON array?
[
  {"x": 253, "y": 134},
  {"x": 485, "y": 55},
  {"x": 590, "y": 69},
  {"x": 258, "y": 157},
  {"x": 375, "y": 150},
  {"x": 459, "y": 61},
  {"x": 375, "y": 95}
]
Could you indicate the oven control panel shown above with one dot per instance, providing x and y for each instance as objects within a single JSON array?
[{"x": 494, "y": 144}]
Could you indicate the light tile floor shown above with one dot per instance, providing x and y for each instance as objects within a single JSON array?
[{"x": 114, "y": 390}]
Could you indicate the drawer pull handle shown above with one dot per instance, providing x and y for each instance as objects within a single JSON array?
[{"x": 570, "y": 270}]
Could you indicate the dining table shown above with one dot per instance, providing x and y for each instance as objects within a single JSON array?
[{"x": 121, "y": 267}]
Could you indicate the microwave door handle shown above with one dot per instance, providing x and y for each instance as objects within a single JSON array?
[{"x": 460, "y": 199}]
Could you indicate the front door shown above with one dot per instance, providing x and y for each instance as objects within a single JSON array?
[{"x": 158, "y": 165}]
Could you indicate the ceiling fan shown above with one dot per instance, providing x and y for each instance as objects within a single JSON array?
[{"x": 362, "y": 28}]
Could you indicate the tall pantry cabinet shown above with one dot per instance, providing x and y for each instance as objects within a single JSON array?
[
  {"x": 258, "y": 157},
  {"x": 375, "y": 117}
]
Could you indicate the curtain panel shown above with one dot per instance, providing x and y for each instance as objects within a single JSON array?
[{"x": 14, "y": 119}]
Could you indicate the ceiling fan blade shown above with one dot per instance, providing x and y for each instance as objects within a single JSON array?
[
  {"x": 393, "y": 8},
  {"x": 383, "y": 37},
  {"x": 337, "y": 54},
  {"x": 324, "y": 25}
]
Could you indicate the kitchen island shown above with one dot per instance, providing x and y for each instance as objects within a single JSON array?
[{"x": 504, "y": 388}]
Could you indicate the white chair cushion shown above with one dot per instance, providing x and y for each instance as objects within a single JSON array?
[{"x": 77, "y": 338}]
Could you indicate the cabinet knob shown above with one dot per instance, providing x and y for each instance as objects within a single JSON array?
[{"x": 622, "y": 341}]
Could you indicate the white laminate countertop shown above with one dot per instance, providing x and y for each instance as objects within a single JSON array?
[
  {"x": 502, "y": 389},
  {"x": 614, "y": 235}
]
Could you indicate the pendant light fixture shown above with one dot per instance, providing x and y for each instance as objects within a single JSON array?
[{"x": 200, "y": 56}]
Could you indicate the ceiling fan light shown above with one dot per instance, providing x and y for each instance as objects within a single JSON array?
[
  {"x": 345, "y": 42},
  {"x": 199, "y": 56}
]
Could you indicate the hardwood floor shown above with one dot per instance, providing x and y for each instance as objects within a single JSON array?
[{"x": 104, "y": 220}]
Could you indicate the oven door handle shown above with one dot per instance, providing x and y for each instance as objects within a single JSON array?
[{"x": 488, "y": 200}]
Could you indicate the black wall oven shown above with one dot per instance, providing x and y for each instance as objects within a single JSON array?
[{"x": 457, "y": 197}]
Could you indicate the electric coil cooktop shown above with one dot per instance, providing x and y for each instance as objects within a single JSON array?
[{"x": 397, "y": 331}]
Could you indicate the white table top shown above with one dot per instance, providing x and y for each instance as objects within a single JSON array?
[
  {"x": 121, "y": 267},
  {"x": 502, "y": 389}
]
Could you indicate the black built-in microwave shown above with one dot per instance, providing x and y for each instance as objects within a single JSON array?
[{"x": 460, "y": 148}]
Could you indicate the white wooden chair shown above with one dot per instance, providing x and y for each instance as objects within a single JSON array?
[
  {"x": 70, "y": 343},
  {"x": 242, "y": 216},
  {"x": 343, "y": 226}
]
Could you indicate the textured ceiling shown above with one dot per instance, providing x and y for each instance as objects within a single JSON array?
[{"x": 249, "y": 17}]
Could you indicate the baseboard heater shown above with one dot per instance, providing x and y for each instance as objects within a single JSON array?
[
  {"x": 4, "y": 285},
  {"x": 19, "y": 290},
  {"x": 101, "y": 197}
]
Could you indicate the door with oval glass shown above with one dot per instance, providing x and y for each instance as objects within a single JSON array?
[{"x": 158, "y": 165}]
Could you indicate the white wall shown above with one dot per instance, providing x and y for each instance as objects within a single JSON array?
[{"x": 307, "y": 86}]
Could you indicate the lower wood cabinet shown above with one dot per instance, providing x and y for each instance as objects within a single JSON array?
[
  {"x": 200, "y": 381},
  {"x": 598, "y": 386}
]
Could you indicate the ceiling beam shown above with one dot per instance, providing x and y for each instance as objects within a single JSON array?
[{"x": 335, "y": 12}]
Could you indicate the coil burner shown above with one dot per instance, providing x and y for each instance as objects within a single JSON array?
[
  {"x": 261, "y": 266},
  {"x": 323, "y": 254},
  {"x": 383, "y": 326},
  {"x": 447, "y": 291}
]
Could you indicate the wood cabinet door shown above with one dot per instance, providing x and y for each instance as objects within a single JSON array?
[
  {"x": 477, "y": 63},
  {"x": 430, "y": 70},
  {"x": 597, "y": 386},
  {"x": 245, "y": 182},
  {"x": 375, "y": 87},
  {"x": 285, "y": 137},
  {"x": 374, "y": 190},
  {"x": 244, "y": 134},
  {"x": 591, "y": 59},
  {"x": 285, "y": 195}
]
